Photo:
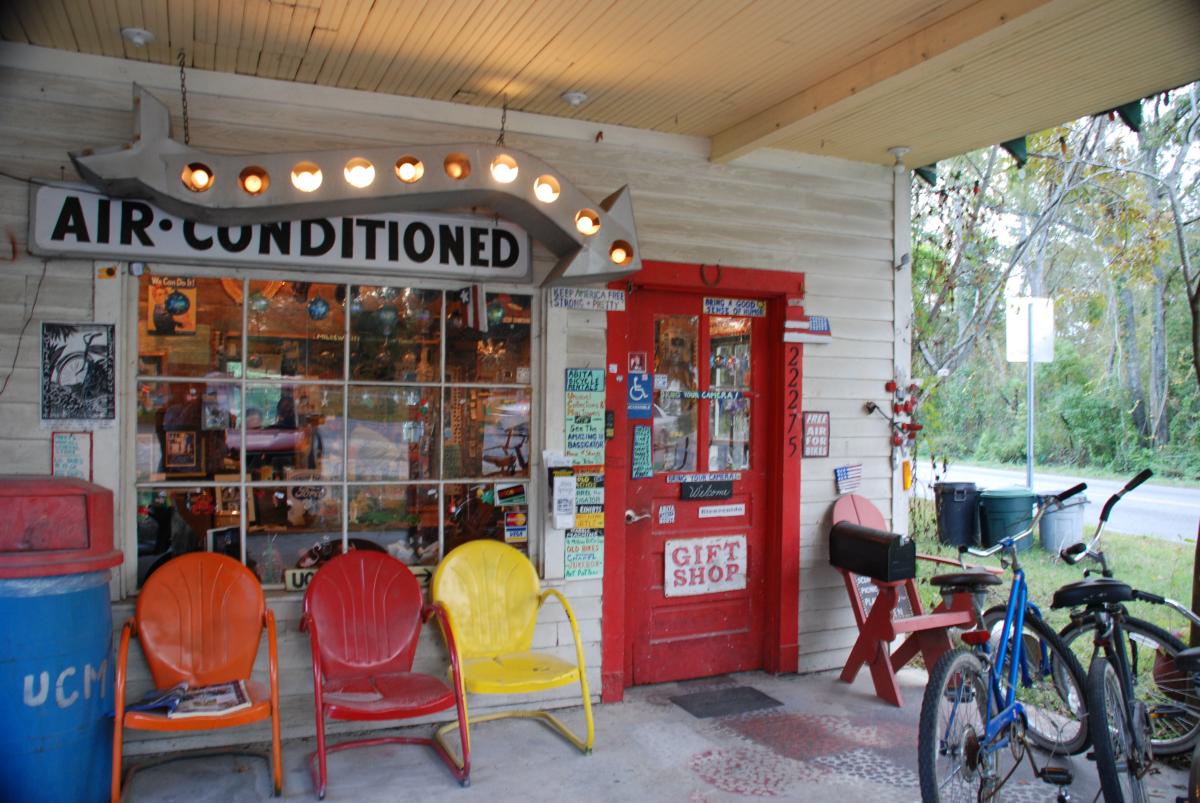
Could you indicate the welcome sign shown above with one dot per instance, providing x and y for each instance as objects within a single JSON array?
[{"x": 76, "y": 221}]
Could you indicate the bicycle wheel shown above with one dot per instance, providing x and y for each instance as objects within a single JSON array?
[
  {"x": 1049, "y": 687},
  {"x": 1169, "y": 695},
  {"x": 951, "y": 762},
  {"x": 1116, "y": 759}
]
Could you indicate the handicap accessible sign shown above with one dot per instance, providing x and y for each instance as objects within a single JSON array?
[{"x": 638, "y": 403}]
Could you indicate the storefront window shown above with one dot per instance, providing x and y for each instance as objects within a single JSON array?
[
  {"x": 283, "y": 422},
  {"x": 676, "y": 362}
]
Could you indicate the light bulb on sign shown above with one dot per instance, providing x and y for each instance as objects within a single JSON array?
[
  {"x": 504, "y": 169},
  {"x": 359, "y": 173},
  {"x": 546, "y": 189},
  {"x": 253, "y": 184},
  {"x": 306, "y": 177},
  {"x": 587, "y": 222}
]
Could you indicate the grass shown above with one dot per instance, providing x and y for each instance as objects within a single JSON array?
[{"x": 1146, "y": 563}]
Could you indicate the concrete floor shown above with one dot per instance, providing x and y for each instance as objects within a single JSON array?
[{"x": 827, "y": 742}]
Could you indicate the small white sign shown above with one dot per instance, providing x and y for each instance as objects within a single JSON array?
[
  {"x": 298, "y": 579},
  {"x": 587, "y": 298},
  {"x": 716, "y": 476},
  {"x": 666, "y": 514},
  {"x": 720, "y": 511},
  {"x": 563, "y": 496},
  {"x": 704, "y": 565},
  {"x": 1017, "y": 329}
]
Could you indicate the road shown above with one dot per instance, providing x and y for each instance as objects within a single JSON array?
[{"x": 1162, "y": 511}]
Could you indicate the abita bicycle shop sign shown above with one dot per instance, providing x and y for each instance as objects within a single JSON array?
[{"x": 79, "y": 222}]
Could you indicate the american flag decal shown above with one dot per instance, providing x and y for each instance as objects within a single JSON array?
[
  {"x": 475, "y": 300},
  {"x": 848, "y": 478},
  {"x": 807, "y": 329}
]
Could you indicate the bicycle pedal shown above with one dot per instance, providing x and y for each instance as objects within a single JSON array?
[{"x": 1059, "y": 776}]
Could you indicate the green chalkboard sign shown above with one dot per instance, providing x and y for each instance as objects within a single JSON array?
[{"x": 642, "y": 464}]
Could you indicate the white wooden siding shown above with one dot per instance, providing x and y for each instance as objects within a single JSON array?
[{"x": 831, "y": 220}]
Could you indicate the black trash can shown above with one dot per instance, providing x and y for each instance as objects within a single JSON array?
[{"x": 957, "y": 506}]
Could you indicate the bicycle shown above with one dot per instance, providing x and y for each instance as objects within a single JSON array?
[
  {"x": 1166, "y": 689},
  {"x": 988, "y": 700},
  {"x": 1136, "y": 706}
]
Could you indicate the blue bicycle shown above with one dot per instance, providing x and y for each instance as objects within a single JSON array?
[{"x": 1015, "y": 686}]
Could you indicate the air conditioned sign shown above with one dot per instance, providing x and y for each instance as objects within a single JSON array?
[
  {"x": 78, "y": 222},
  {"x": 704, "y": 565}
]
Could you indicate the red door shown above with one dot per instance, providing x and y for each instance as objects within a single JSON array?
[{"x": 696, "y": 494}]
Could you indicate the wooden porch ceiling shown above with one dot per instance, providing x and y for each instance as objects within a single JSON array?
[{"x": 846, "y": 79}]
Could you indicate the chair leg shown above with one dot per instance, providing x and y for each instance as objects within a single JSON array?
[
  {"x": 316, "y": 761},
  {"x": 276, "y": 753},
  {"x": 118, "y": 735}
]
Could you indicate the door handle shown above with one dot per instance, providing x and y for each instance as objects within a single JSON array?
[{"x": 631, "y": 517}]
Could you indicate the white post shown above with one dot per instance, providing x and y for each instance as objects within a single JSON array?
[{"x": 1029, "y": 401}]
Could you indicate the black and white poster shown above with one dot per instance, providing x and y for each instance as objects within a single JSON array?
[{"x": 78, "y": 367}]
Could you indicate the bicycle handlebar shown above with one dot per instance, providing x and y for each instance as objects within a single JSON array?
[
  {"x": 1142, "y": 476},
  {"x": 1012, "y": 540}
]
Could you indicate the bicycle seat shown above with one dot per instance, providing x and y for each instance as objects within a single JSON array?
[
  {"x": 1188, "y": 660},
  {"x": 1093, "y": 591},
  {"x": 968, "y": 582}
]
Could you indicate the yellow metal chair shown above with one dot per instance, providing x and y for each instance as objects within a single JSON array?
[{"x": 492, "y": 594}]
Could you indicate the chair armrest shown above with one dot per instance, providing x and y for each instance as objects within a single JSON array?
[
  {"x": 437, "y": 610},
  {"x": 554, "y": 592},
  {"x": 272, "y": 656},
  {"x": 128, "y": 631}
]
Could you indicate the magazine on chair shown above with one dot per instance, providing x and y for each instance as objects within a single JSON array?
[{"x": 179, "y": 701}]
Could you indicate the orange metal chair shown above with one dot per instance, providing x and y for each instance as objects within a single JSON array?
[
  {"x": 363, "y": 613},
  {"x": 200, "y": 619}
]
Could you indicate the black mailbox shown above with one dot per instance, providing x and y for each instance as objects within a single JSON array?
[{"x": 872, "y": 553}]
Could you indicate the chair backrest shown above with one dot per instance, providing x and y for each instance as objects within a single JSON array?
[
  {"x": 491, "y": 591},
  {"x": 366, "y": 607},
  {"x": 200, "y": 619}
]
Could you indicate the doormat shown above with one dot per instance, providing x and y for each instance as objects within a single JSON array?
[{"x": 725, "y": 702}]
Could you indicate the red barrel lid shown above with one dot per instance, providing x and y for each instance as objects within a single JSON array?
[{"x": 54, "y": 525}]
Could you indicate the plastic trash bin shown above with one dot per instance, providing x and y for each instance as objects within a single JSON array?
[
  {"x": 957, "y": 505},
  {"x": 56, "y": 667},
  {"x": 1004, "y": 512},
  {"x": 1062, "y": 524}
]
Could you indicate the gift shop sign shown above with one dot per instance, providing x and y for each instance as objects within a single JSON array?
[
  {"x": 79, "y": 222},
  {"x": 704, "y": 565}
]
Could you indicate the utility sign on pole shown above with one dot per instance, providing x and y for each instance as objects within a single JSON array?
[
  {"x": 1030, "y": 330},
  {"x": 1017, "y": 329}
]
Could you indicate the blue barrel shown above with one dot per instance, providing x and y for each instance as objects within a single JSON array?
[
  {"x": 56, "y": 673},
  {"x": 56, "y": 651}
]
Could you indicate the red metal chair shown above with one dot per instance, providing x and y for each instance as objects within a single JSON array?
[
  {"x": 363, "y": 613},
  {"x": 200, "y": 619}
]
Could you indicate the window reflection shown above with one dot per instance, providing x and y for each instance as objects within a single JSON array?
[
  {"x": 729, "y": 416},
  {"x": 188, "y": 326},
  {"x": 296, "y": 329},
  {"x": 292, "y": 527},
  {"x": 488, "y": 345},
  {"x": 171, "y": 523},
  {"x": 487, "y": 432},
  {"x": 403, "y": 519},
  {"x": 675, "y": 373},
  {"x": 184, "y": 430},
  {"x": 393, "y": 433},
  {"x": 293, "y": 431},
  {"x": 395, "y": 334}
]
